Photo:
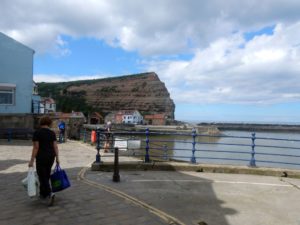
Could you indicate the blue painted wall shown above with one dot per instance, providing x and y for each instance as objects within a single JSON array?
[{"x": 16, "y": 67}]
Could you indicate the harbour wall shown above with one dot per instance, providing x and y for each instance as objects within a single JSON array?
[{"x": 254, "y": 127}]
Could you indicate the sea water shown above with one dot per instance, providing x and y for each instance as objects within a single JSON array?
[{"x": 231, "y": 147}]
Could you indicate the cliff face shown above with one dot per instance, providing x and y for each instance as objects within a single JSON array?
[{"x": 143, "y": 92}]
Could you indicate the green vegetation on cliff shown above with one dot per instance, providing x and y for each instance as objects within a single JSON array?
[
  {"x": 65, "y": 101},
  {"x": 144, "y": 92}
]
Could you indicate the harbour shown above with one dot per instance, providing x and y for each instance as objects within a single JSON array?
[{"x": 270, "y": 149}]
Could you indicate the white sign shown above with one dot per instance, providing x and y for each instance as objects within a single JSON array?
[{"x": 121, "y": 144}]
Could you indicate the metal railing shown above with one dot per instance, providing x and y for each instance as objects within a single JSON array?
[{"x": 252, "y": 150}]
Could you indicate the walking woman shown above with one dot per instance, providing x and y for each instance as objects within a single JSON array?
[{"x": 44, "y": 151}]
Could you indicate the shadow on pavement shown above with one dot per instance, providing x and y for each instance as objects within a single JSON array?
[
  {"x": 79, "y": 204},
  {"x": 189, "y": 199},
  {"x": 16, "y": 142},
  {"x": 5, "y": 164}
]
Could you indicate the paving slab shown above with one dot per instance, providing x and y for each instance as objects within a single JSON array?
[
  {"x": 80, "y": 204},
  {"x": 229, "y": 199},
  {"x": 143, "y": 197}
]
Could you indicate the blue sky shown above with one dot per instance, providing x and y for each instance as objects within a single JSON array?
[
  {"x": 88, "y": 56},
  {"x": 219, "y": 63}
]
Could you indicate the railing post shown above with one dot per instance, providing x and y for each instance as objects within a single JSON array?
[
  {"x": 60, "y": 137},
  {"x": 165, "y": 152},
  {"x": 193, "y": 158},
  {"x": 116, "y": 175},
  {"x": 98, "y": 157},
  {"x": 147, "y": 158},
  {"x": 9, "y": 135},
  {"x": 252, "y": 161}
]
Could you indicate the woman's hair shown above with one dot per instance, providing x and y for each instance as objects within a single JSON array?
[{"x": 45, "y": 120}]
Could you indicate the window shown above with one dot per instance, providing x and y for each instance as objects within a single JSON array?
[{"x": 7, "y": 94}]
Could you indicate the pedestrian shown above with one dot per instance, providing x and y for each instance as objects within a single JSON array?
[
  {"x": 62, "y": 128},
  {"x": 44, "y": 151},
  {"x": 107, "y": 136}
]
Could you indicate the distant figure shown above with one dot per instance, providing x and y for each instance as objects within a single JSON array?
[
  {"x": 107, "y": 136},
  {"x": 62, "y": 128}
]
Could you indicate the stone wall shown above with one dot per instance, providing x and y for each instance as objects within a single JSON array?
[
  {"x": 31, "y": 122},
  {"x": 16, "y": 121}
]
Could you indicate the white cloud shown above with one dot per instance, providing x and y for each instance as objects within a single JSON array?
[
  {"x": 149, "y": 27},
  {"x": 225, "y": 68},
  {"x": 266, "y": 70}
]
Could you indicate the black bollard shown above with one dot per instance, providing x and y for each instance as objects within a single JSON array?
[{"x": 116, "y": 176}]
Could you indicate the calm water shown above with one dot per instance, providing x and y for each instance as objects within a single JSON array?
[{"x": 180, "y": 148}]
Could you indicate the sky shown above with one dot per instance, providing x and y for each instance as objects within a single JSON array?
[{"x": 235, "y": 61}]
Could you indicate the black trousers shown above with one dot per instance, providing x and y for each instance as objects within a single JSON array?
[{"x": 43, "y": 169}]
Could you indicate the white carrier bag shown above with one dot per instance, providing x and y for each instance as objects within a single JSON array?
[{"x": 31, "y": 182}]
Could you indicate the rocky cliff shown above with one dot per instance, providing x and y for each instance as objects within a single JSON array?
[{"x": 144, "y": 92}]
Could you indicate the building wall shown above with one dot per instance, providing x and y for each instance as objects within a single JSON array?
[
  {"x": 158, "y": 122},
  {"x": 36, "y": 106},
  {"x": 119, "y": 118},
  {"x": 155, "y": 119},
  {"x": 16, "y": 67},
  {"x": 17, "y": 121},
  {"x": 50, "y": 107}
]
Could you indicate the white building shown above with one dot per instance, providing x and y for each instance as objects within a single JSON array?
[
  {"x": 132, "y": 117},
  {"x": 47, "y": 105}
]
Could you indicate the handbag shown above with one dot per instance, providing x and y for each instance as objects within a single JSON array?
[
  {"x": 31, "y": 182},
  {"x": 59, "y": 179}
]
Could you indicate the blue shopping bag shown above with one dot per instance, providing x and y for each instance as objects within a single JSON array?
[{"x": 59, "y": 179}]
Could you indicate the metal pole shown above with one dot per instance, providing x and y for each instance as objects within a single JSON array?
[
  {"x": 193, "y": 158},
  {"x": 98, "y": 157},
  {"x": 165, "y": 152},
  {"x": 116, "y": 176},
  {"x": 9, "y": 135},
  {"x": 252, "y": 161},
  {"x": 60, "y": 136},
  {"x": 147, "y": 158}
]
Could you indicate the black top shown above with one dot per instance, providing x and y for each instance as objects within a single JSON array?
[{"x": 45, "y": 137}]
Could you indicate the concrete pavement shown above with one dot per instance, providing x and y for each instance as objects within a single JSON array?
[{"x": 144, "y": 197}]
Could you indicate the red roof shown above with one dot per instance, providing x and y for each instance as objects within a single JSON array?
[{"x": 96, "y": 114}]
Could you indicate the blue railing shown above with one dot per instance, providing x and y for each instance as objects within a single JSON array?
[{"x": 249, "y": 150}]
